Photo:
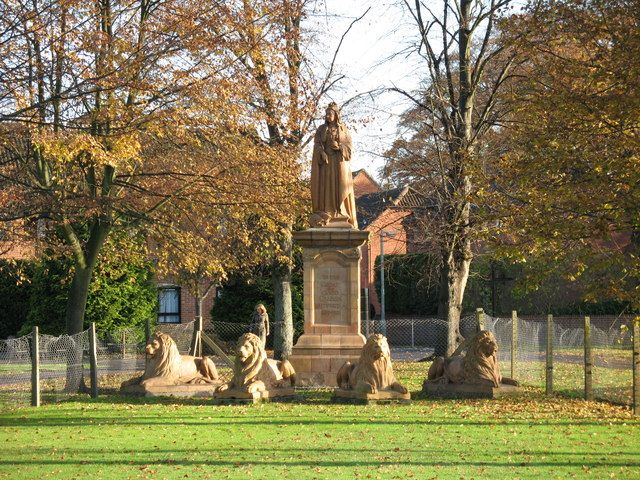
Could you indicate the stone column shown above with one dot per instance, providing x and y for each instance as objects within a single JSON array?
[{"x": 331, "y": 303}]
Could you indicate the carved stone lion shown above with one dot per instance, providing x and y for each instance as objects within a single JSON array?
[
  {"x": 165, "y": 366},
  {"x": 373, "y": 371},
  {"x": 253, "y": 371},
  {"x": 478, "y": 367}
]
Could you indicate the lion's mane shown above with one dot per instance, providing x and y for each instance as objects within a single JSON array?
[
  {"x": 373, "y": 370},
  {"x": 166, "y": 361},
  {"x": 481, "y": 361},
  {"x": 245, "y": 372}
]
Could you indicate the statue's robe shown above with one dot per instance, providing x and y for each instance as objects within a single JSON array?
[{"x": 331, "y": 183}]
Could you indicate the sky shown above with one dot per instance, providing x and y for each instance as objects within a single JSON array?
[{"x": 371, "y": 59}]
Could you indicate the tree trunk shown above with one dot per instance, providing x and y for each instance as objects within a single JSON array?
[
  {"x": 457, "y": 274},
  {"x": 283, "y": 314},
  {"x": 197, "y": 296},
  {"x": 77, "y": 301},
  {"x": 457, "y": 258},
  {"x": 76, "y": 306}
]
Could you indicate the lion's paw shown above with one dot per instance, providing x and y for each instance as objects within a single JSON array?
[
  {"x": 256, "y": 387},
  {"x": 399, "y": 388}
]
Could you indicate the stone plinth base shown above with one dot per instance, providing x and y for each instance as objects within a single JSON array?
[
  {"x": 382, "y": 396},
  {"x": 317, "y": 358},
  {"x": 465, "y": 390},
  {"x": 237, "y": 396},
  {"x": 318, "y": 370},
  {"x": 331, "y": 304},
  {"x": 184, "y": 391}
]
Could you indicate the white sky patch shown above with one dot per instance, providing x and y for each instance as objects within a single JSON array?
[{"x": 374, "y": 56}]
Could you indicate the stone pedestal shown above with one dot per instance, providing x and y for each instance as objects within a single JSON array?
[
  {"x": 331, "y": 304},
  {"x": 465, "y": 390},
  {"x": 184, "y": 391}
]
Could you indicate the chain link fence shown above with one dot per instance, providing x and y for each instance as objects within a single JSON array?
[
  {"x": 522, "y": 350},
  {"x": 226, "y": 334},
  {"x": 61, "y": 365},
  {"x": 15, "y": 370},
  {"x": 416, "y": 338},
  {"x": 64, "y": 361},
  {"x": 611, "y": 347}
]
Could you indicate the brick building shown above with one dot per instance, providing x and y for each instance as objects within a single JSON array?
[
  {"x": 177, "y": 304},
  {"x": 390, "y": 211}
]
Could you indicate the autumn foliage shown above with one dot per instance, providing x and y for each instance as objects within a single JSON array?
[
  {"x": 120, "y": 113},
  {"x": 567, "y": 184}
]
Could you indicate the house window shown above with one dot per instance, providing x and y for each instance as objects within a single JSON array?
[{"x": 169, "y": 305}]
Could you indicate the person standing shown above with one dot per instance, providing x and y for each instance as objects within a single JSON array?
[{"x": 260, "y": 323}]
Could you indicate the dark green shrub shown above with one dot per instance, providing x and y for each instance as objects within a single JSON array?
[
  {"x": 122, "y": 292},
  {"x": 411, "y": 288},
  {"x": 410, "y": 284},
  {"x": 15, "y": 292},
  {"x": 237, "y": 300}
]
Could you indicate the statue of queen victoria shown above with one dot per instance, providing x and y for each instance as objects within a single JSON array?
[{"x": 332, "y": 196}]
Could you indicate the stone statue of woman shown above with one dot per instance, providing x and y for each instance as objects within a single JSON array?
[
  {"x": 260, "y": 323},
  {"x": 332, "y": 197}
]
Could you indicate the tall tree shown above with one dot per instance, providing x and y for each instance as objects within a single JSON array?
[
  {"x": 568, "y": 184},
  {"x": 119, "y": 111},
  {"x": 466, "y": 69}
]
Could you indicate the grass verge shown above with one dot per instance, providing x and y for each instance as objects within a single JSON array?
[{"x": 117, "y": 437}]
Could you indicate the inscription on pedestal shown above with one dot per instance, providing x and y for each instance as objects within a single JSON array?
[{"x": 331, "y": 294}]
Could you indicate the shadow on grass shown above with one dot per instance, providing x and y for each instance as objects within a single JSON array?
[
  {"x": 317, "y": 463},
  {"x": 308, "y": 397},
  {"x": 285, "y": 451},
  {"x": 258, "y": 419}
]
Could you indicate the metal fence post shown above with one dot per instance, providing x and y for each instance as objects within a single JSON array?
[
  {"x": 366, "y": 312},
  {"x": 514, "y": 342},
  {"x": 35, "y": 368},
  {"x": 93, "y": 360},
  {"x": 124, "y": 345},
  {"x": 480, "y": 319},
  {"x": 413, "y": 342},
  {"x": 549, "y": 369},
  {"x": 588, "y": 360},
  {"x": 636, "y": 366}
]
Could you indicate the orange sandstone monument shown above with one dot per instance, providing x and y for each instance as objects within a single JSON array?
[{"x": 331, "y": 258}]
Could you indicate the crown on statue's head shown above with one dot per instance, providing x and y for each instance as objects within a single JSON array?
[{"x": 333, "y": 106}]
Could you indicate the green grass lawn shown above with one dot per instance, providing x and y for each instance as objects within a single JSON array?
[{"x": 118, "y": 437}]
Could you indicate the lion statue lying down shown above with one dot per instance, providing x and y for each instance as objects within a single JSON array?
[
  {"x": 165, "y": 366},
  {"x": 478, "y": 367},
  {"x": 373, "y": 371},
  {"x": 253, "y": 371}
]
